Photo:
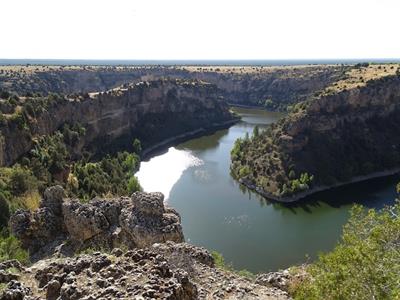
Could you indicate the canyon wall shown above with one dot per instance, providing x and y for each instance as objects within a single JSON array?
[
  {"x": 273, "y": 88},
  {"x": 339, "y": 137},
  {"x": 150, "y": 111}
]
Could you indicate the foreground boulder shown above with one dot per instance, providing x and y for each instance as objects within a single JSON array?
[
  {"x": 163, "y": 271},
  {"x": 63, "y": 225}
]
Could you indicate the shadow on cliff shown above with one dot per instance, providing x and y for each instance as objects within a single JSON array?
[{"x": 374, "y": 193}]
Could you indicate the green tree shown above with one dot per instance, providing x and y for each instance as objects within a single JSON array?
[
  {"x": 22, "y": 181},
  {"x": 256, "y": 131},
  {"x": 133, "y": 185},
  {"x": 10, "y": 248},
  {"x": 4, "y": 211},
  {"x": 365, "y": 264},
  {"x": 137, "y": 147}
]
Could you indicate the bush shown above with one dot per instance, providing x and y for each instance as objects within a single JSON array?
[
  {"x": 4, "y": 210},
  {"x": 365, "y": 264},
  {"x": 22, "y": 181},
  {"x": 10, "y": 248}
]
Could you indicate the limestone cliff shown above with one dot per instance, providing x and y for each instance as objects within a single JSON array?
[
  {"x": 154, "y": 264},
  {"x": 64, "y": 226},
  {"x": 151, "y": 111},
  {"x": 273, "y": 87},
  {"x": 346, "y": 134}
]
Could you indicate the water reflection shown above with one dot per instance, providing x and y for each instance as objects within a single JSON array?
[
  {"x": 250, "y": 231},
  {"x": 160, "y": 173}
]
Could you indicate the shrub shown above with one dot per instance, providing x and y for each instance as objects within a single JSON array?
[
  {"x": 137, "y": 147},
  {"x": 22, "y": 181},
  {"x": 10, "y": 248},
  {"x": 365, "y": 264},
  {"x": 4, "y": 210}
]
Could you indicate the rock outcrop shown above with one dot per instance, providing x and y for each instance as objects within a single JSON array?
[
  {"x": 162, "y": 271},
  {"x": 64, "y": 226},
  {"x": 155, "y": 263}
]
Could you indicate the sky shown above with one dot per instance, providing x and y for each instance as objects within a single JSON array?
[{"x": 206, "y": 29}]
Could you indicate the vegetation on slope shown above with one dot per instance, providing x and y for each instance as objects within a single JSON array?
[
  {"x": 271, "y": 172},
  {"x": 51, "y": 162},
  {"x": 326, "y": 140},
  {"x": 364, "y": 265}
]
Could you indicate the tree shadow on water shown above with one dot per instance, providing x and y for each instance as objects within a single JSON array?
[{"x": 374, "y": 193}]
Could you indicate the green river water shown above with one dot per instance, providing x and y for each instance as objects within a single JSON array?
[{"x": 251, "y": 232}]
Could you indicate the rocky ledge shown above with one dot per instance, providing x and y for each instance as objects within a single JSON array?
[
  {"x": 121, "y": 248},
  {"x": 163, "y": 271},
  {"x": 64, "y": 226}
]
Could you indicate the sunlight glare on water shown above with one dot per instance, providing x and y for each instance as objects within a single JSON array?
[{"x": 160, "y": 173}]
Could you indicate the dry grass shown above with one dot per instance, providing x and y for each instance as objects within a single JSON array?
[
  {"x": 358, "y": 77},
  {"x": 30, "y": 200},
  {"x": 253, "y": 69}
]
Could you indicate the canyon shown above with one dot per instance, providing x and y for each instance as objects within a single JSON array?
[
  {"x": 348, "y": 133},
  {"x": 150, "y": 111},
  {"x": 340, "y": 125}
]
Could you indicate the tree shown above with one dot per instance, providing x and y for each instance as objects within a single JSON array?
[
  {"x": 365, "y": 264},
  {"x": 256, "y": 131},
  {"x": 4, "y": 211},
  {"x": 133, "y": 185},
  {"x": 137, "y": 147},
  {"x": 22, "y": 181}
]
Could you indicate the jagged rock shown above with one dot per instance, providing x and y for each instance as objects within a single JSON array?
[
  {"x": 83, "y": 221},
  {"x": 275, "y": 279},
  {"x": 174, "y": 271},
  {"x": 35, "y": 230},
  {"x": 138, "y": 221},
  {"x": 15, "y": 290},
  {"x": 53, "y": 290},
  {"x": 53, "y": 199}
]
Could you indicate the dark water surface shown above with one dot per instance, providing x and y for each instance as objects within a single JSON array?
[{"x": 249, "y": 231}]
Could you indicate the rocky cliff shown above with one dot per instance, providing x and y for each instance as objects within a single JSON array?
[
  {"x": 273, "y": 87},
  {"x": 154, "y": 264},
  {"x": 346, "y": 134},
  {"x": 64, "y": 226},
  {"x": 150, "y": 111},
  {"x": 162, "y": 271}
]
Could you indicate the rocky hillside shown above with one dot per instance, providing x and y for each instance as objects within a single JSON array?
[
  {"x": 75, "y": 79},
  {"x": 150, "y": 111},
  {"x": 162, "y": 271},
  {"x": 154, "y": 264},
  {"x": 348, "y": 133},
  {"x": 274, "y": 87}
]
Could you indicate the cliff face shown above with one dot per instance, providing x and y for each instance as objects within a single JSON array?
[
  {"x": 282, "y": 86},
  {"x": 150, "y": 111},
  {"x": 330, "y": 140},
  {"x": 273, "y": 88},
  {"x": 64, "y": 226},
  {"x": 155, "y": 264}
]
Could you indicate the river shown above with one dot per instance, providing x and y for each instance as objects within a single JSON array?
[{"x": 251, "y": 232}]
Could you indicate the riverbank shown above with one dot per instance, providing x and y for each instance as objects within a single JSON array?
[
  {"x": 149, "y": 151},
  {"x": 302, "y": 195}
]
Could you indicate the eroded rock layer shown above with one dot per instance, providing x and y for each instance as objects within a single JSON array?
[
  {"x": 150, "y": 111},
  {"x": 64, "y": 226}
]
